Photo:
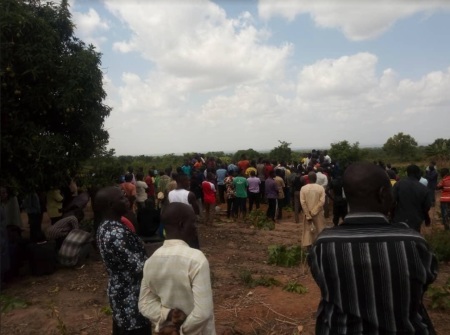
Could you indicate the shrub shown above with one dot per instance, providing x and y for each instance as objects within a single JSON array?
[
  {"x": 10, "y": 303},
  {"x": 295, "y": 287},
  {"x": 439, "y": 242},
  {"x": 259, "y": 219},
  {"x": 249, "y": 281},
  {"x": 286, "y": 256},
  {"x": 440, "y": 296}
]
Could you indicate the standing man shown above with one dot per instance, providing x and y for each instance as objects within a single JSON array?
[
  {"x": 312, "y": 199},
  {"x": 253, "y": 191},
  {"x": 271, "y": 189},
  {"x": 178, "y": 276},
  {"x": 444, "y": 186},
  {"x": 281, "y": 187},
  {"x": 411, "y": 200},
  {"x": 240, "y": 184},
  {"x": 221, "y": 174},
  {"x": 124, "y": 256},
  {"x": 372, "y": 274}
]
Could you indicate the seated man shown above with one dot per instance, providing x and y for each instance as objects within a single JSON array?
[
  {"x": 177, "y": 276},
  {"x": 75, "y": 248},
  {"x": 59, "y": 231},
  {"x": 372, "y": 274}
]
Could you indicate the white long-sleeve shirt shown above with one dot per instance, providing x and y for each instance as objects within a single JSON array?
[{"x": 177, "y": 276}]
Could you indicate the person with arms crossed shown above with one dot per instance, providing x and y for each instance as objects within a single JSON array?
[
  {"x": 372, "y": 274},
  {"x": 177, "y": 276}
]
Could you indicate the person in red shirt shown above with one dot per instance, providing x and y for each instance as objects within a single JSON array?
[
  {"x": 150, "y": 181},
  {"x": 244, "y": 163},
  {"x": 444, "y": 186},
  {"x": 209, "y": 198},
  {"x": 129, "y": 189}
]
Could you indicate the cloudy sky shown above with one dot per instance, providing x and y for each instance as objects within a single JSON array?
[{"x": 198, "y": 75}]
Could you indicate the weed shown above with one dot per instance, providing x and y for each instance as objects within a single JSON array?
[
  {"x": 260, "y": 220},
  {"x": 440, "y": 244},
  {"x": 295, "y": 287},
  {"x": 10, "y": 303},
  {"x": 249, "y": 281},
  {"x": 440, "y": 296},
  {"x": 286, "y": 256},
  {"x": 106, "y": 310}
]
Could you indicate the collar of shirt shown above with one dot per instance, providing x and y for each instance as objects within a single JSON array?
[
  {"x": 174, "y": 242},
  {"x": 366, "y": 218}
]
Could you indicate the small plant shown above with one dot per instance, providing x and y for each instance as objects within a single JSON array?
[
  {"x": 440, "y": 244},
  {"x": 249, "y": 281},
  {"x": 106, "y": 310},
  {"x": 295, "y": 287},
  {"x": 286, "y": 256},
  {"x": 10, "y": 303},
  {"x": 260, "y": 220},
  {"x": 440, "y": 296}
]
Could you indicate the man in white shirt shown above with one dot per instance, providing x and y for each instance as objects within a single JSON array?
[{"x": 178, "y": 276}]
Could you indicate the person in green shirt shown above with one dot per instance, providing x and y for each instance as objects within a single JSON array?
[{"x": 240, "y": 185}]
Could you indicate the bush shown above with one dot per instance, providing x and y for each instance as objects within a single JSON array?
[
  {"x": 439, "y": 242},
  {"x": 286, "y": 256},
  {"x": 260, "y": 220},
  {"x": 295, "y": 288},
  {"x": 249, "y": 281},
  {"x": 440, "y": 296}
]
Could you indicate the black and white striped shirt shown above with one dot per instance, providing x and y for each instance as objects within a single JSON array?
[{"x": 372, "y": 276}]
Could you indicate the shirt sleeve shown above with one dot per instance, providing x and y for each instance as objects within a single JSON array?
[
  {"x": 318, "y": 207},
  {"x": 203, "y": 303},
  {"x": 304, "y": 204},
  {"x": 123, "y": 251}
]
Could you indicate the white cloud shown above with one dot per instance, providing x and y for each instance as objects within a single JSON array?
[
  {"x": 90, "y": 27},
  {"x": 198, "y": 42},
  {"x": 358, "y": 20}
]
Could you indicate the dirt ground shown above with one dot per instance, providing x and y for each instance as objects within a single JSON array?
[{"x": 74, "y": 301}]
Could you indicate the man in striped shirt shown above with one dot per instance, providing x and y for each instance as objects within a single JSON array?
[{"x": 372, "y": 274}]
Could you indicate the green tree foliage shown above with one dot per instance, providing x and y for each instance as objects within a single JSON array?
[
  {"x": 249, "y": 153},
  {"x": 439, "y": 149},
  {"x": 403, "y": 146},
  {"x": 52, "y": 109},
  {"x": 281, "y": 153},
  {"x": 345, "y": 153}
]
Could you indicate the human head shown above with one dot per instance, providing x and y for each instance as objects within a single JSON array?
[
  {"x": 140, "y": 176},
  {"x": 183, "y": 182},
  {"x": 444, "y": 172},
  {"x": 312, "y": 177},
  {"x": 179, "y": 222},
  {"x": 128, "y": 177},
  {"x": 367, "y": 188},
  {"x": 413, "y": 171},
  {"x": 111, "y": 203},
  {"x": 252, "y": 173}
]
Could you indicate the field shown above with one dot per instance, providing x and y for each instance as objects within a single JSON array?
[{"x": 74, "y": 301}]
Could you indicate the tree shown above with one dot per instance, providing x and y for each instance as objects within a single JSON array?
[
  {"x": 345, "y": 153},
  {"x": 249, "y": 153},
  {"x": 52, "y": 109},
  {"x": 439, "y": 149},
  {"x": 401, "y": 145},
  {"x": 281, "y": 153}
]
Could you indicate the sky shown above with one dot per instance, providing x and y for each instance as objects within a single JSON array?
[{"x": 225, "y": 75}]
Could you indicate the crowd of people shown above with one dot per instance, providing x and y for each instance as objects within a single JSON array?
[{"x": 372, "y": 266}]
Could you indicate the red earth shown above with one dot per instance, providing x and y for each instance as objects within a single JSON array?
[{"x": 74, "y": 301}]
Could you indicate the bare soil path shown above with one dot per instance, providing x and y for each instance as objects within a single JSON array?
[{"x": 74, "y": 301}]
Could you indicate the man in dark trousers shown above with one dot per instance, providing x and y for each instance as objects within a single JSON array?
[
  {"x": 412, "y": 200},
  {"x": 372, "y": 274}
]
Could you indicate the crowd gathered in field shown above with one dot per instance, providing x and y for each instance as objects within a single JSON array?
[{"x": 148, "y": 220}]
